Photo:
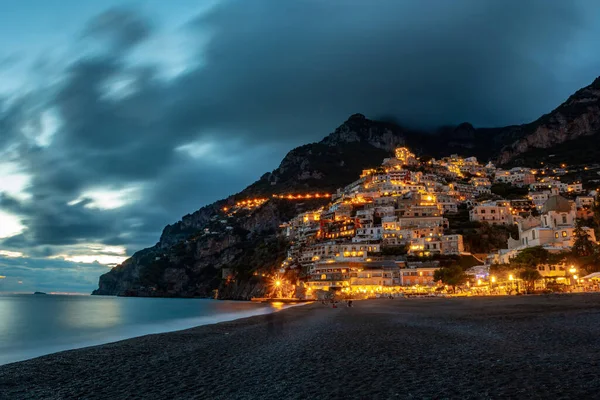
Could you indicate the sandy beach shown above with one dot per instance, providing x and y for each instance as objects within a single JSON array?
[{"x": 526, "y": 346}]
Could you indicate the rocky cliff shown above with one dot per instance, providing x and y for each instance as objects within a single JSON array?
[
  {"x": 576, "y": 118},
  {"x": 209, "y": 250}
]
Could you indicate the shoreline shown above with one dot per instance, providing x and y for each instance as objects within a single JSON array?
[
  {"x": 140, "y": 330},
  {"x": 411, "y": 348}
]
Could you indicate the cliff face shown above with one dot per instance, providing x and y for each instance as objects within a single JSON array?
[
  {"x": 195, "y": 257},
  {"x": 335, "y": 161},
  {"x": 578, "y": 117},
  {"x": 206, "y": 249},
  {"x": 209, "y": 250}
]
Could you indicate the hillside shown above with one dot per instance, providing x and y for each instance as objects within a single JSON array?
[{"x": 201, "y": 252}]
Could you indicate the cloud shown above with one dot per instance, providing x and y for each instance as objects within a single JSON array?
[
  {"x": 112, "y": 151},
  {"x": 122, "y": 28},
  {"x": 427, "y": 64},
  {"x": 48, "y": 275},
  {"x": 9, "y": 61}
]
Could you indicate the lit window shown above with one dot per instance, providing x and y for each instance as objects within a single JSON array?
[
  {"x": 556, "y": 235},
  {"x": 564, "y": 233}
]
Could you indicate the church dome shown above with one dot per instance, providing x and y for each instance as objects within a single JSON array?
[{"x": 557, "y": 204}]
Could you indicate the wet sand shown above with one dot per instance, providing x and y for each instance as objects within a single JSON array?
[{"x": 489, "y": 347}]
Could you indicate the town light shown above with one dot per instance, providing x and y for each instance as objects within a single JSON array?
[
  {"x": 510, "y": 277},
  {"x": 277, "y": 283},
  {"x": 572, "y": 269},
  {"x": 575, "y": 277},
  {"x": 493, "y": 279}
]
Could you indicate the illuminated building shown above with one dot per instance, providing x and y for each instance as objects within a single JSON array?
[{"x": 404, "y": 155}]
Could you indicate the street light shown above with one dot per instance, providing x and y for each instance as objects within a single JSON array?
[
  {"x": 492, "y": 281},
  {"x": 511, "y": 278}
]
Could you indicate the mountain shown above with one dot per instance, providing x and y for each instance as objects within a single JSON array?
[
  {"x": 577, "y": 120},
  {"x": 194, "y": 254},
  {"x": 212, "y": 249}
]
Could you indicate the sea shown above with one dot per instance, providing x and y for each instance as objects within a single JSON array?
[{"x": 35, "y": 325}]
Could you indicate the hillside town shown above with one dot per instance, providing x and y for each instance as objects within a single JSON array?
[{"x": 390, "y": 231}]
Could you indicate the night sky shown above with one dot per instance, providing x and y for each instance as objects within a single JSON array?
[{"x": 117, "y": 119}]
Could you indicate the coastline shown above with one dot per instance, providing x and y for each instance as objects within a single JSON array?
[
  {"x": 84, "y": 339},
  {"x": 535, "y": 346}
]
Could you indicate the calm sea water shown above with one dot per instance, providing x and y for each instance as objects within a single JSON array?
[{"x": 34, "y": 325}]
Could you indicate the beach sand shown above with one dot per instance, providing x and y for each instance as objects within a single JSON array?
[{"x": 488, "y": 347}]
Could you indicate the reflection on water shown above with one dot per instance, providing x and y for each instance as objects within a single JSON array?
[
  {"x": 31, "y": 326},
  {"x": 7, "y": 320},
  {"x": 105, "y": 313},
  {"x": 277, "y": 304}
]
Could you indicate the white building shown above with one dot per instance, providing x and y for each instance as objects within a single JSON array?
[
  {"x": 584, "y": 201},
  {"x": 552, "y": 229},
  {"x": 492, "y": 213}
]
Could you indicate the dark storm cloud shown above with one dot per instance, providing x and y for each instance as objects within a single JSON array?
[
  {"x": 123, "y": 28},
  {"x": 273, "y": 75},
  {"x": 273, "y": 65}
]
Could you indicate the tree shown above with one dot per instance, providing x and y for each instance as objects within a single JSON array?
[
  {"x": 596, "y": 210},
  {"x": 583, "y": 246},
  {"x": 531, "y": 257},
  {"x": 529, "y": 276},
  {"x": 584, "y": 253},
  {"x": 453, "y": 276},
  {"x": 503, "y": 271},
  {"x": 508, "y": 191}
]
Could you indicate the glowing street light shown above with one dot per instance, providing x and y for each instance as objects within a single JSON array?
[
  {"x": 277, "y": 283},
  {"x": 572, "y": 269},
  {"x": 511, "y": 278}
]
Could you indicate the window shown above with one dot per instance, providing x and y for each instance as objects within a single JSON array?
[
  {"x": 323, "y": 277},
  {"x": 564, "y": 219},
  {"x": 483, "y": 211},
  {"x": 556, "y": 235},
  {"x": 542, "y": 268},
  {"x": 533, "y": 235},
  {"x": 564, "y": 233},
  {"x": 552, "y": 268},
  {"x": 493, "y": 211}
]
